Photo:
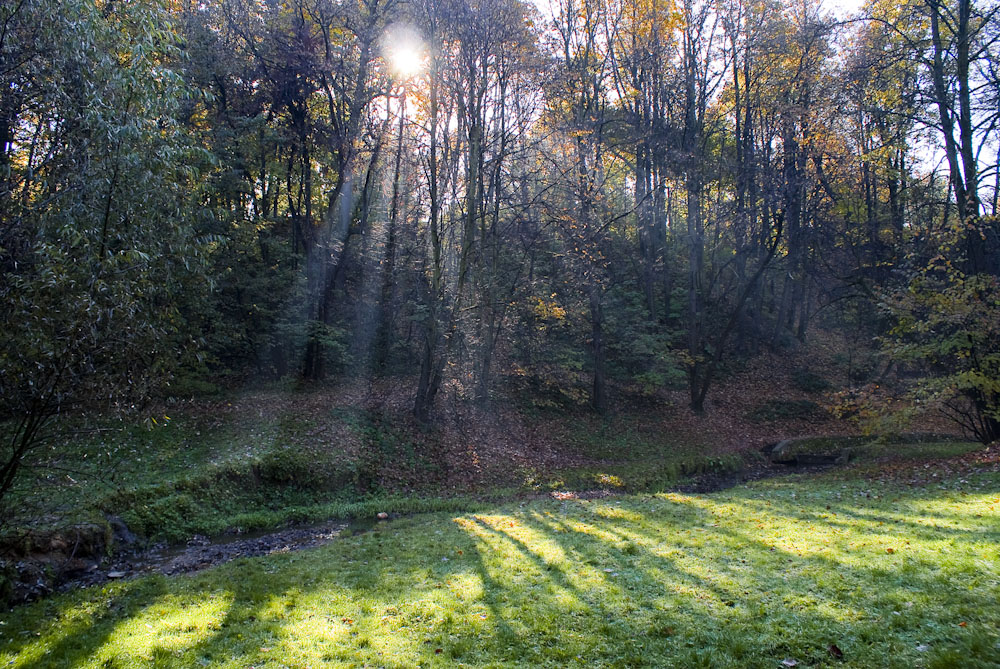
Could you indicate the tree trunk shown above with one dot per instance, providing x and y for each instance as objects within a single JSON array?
[
  {"x": 383, "y": 339},
  {"x": 599, "y": 397},
  {"x": 696, "y": 254},
  {"x": 427, "y": 384}
]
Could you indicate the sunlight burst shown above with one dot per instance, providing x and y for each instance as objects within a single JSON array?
[
  {"x": 405, "y": 52},
  {"x": 406, "y": 60}
]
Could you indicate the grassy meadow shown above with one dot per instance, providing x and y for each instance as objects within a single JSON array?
[{"x": 842, "y": 569}]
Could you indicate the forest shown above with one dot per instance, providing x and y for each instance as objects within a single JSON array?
[{"x": 273, "y": 262}]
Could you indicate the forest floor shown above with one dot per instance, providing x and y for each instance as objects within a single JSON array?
[{"x": 207, "y": 480}]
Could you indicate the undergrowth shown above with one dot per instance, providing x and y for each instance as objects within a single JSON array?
[
  {"x": 212, "y": 468},
  {"x": 777, "y": 410},
  {"x": 643, "y": 475}
]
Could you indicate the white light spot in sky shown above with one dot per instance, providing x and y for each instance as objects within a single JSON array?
[{"x": 405, "y": 51}]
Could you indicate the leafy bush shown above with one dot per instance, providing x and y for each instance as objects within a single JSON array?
[
  {"x": 302, "y": 469},
  {"x": 167, "y": 516},
  {"x": 101, "y": 246},
  {"x": 948, "y": 327},
  {"x": 209, "y": 501}
]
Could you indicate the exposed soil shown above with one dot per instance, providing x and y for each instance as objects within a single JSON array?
[{"x": 199, "y": 553}]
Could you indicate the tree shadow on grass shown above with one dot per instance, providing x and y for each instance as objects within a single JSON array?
[
  {"x": 815, "y": 595},
  {"x": 632, "y": 582},
  {"x": 70, "y": 636}
]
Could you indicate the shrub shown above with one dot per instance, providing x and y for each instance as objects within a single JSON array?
[
  {"x": 947, "y": 325},
  {"x": 301, "y": 468}
]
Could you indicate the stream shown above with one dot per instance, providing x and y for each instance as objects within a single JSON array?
[{"x": 202, "y": 552}]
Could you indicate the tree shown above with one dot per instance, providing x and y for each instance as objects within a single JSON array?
[
  {"x": 481, "y": 56},
  {"x": 947, "y": 328},
  {"x": 579, "y": 162},
  {"x": 955, "y": 44},
  {"x": 99, "y": 204}
]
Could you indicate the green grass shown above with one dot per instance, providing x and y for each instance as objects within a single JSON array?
[
  {"x": 893, "y": 575},
  {"x": 875, "y": 450},
  {"x": 629, "y": 457},
  {"x": 99, "y": 457},
  {"x": 648, "y": 475},
  {"x": 624, "y": 438},
  {"x": 199, "y": 473},
  {"x": 193, "y": 473}
]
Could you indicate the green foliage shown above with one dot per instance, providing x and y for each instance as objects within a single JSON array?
[
  {"x": 549, "y": 374},
  {"x": 189, "y": 473},
  {"x": 628, "y": 458},
  {"x": 246, "y": 494},
  {"x": 301, "y": 468},
  {"x": 640, "y": 350},
  {"x": 656, "y": 356},
  {"x": 102, "y": 193},
  {"x": 192, "y": 383},
  {"x": 232, "y": 500},
  {"x": 645, "y": 475},
  {"x": 947, "y": 329}
]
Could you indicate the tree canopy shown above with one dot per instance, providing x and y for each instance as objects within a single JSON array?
[{"x": 564, "y": 199}]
